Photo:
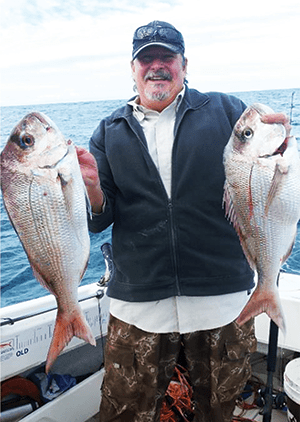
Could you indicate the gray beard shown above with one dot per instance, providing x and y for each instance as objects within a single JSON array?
[{"x": 157, "y": 96}]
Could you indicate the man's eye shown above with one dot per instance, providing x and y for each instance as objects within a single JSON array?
[
  {"x": 167, "y": 58},
  {"x": 146, "y": 59}
]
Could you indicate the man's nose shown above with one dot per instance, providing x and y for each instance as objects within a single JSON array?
[{"x": 157, "y": 63}]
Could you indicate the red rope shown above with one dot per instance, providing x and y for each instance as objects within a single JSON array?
[{"x": 178, "y": 398}]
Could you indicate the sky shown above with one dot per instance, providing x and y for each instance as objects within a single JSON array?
[{"x": 54, "y": 51}]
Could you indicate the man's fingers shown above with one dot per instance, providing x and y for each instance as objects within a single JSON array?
[
  {"x": 280, "y": 118},
  {"x": 275, "y": 118}
]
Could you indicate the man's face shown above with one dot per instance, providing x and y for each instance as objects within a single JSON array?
[{"x": 159, "y": 75}]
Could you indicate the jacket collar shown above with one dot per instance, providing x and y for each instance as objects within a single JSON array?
[{"x": 192, "y": 99}]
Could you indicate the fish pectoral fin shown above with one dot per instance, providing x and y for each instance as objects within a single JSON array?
[
  {"x": 228, "y": 205},
  {"x": 276, "y": 185},
  {"x": 66, "y": 327},
  {"x": 262, "y": 301},
  {"x": 64, "y": 178}
]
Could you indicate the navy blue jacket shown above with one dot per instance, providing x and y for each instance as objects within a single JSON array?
[{"x": 182, "y": 246}]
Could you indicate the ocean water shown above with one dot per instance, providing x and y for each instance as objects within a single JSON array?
[{"x": 77, "y": 121}]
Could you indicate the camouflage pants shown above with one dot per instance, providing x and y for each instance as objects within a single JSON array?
[{"x": 139, "y": 366}]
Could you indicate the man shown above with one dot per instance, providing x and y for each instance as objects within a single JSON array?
[{"x": 181, "y": 278}]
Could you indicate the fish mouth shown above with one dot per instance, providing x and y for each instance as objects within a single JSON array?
[
  {"x": 263, "y": 109},
  {"x": 52, "y": 166},
  {"x": 282, "y": 148}
]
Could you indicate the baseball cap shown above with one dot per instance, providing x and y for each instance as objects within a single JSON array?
[{"x": 157, "y": 33}]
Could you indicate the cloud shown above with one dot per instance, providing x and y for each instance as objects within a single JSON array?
[{"x": 77, "y": 50}]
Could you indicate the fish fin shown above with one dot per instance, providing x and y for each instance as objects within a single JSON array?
[
  {"x": 276, "y": 184},
  {"x": 40, "y": 279},
  {"x": 230, "y": 213},
  {"x": 289, "y": 251},
  {"x": 66, "y": 327},
  {"x": 229, "y": 207},
  {"x": 64, "y": 179},
  {"x": 232, "y": 217},
  {"x": 261, "y": 301},
  {"x": 83, "y": 271}
]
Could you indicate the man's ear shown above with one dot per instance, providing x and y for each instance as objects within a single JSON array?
[
  {"x": 132, "y": 65},
  {"x": 185, "y": 65}
]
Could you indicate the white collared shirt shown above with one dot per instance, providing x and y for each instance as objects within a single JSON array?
[
  {"x": 159, "y": 132},
  {"x": 182, "y": 314}
]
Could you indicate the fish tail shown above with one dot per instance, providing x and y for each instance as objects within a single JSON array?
[
  {"x": 263, "y": 301},
  {"x": 66, "y": 327}
]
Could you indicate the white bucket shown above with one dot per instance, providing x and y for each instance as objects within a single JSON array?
[{"x": 292, "y": 389}]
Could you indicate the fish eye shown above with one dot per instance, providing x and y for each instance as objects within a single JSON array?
[
  {"x": 247, "y": 133},
  {"x": 26, "y": 141}
]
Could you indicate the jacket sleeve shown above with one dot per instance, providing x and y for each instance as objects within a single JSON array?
[
  {"x": 99, "y": 222},
  {"x": 233, "y": 106}
]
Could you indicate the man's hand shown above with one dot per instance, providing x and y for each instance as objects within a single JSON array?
[
  {"x": 90, "y": 175},
  {"x": 278, "y": 118}
]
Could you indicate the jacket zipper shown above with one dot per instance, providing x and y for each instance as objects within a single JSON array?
[
  {"x": 173, "y": 245},
  {"x": 170, "y": 204}
]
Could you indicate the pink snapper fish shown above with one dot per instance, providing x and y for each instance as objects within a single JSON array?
[
  {"x": 262, "y": 200},
  {"x": 45, "y": 198}
]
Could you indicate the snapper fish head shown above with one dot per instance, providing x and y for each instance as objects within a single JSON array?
[
  {"x": 35, "y": 141},
  {"x": 254, "y": 139}
]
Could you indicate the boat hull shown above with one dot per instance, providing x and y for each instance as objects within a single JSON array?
[{"x": 26, "y": 334}]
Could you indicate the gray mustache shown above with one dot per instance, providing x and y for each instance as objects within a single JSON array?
[{"x": 163, "y": 74}]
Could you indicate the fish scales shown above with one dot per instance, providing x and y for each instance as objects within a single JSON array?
[
  {"x": 262, "y": 200},
  {"x": 45, "y": 198}
]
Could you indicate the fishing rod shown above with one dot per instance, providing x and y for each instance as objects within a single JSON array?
[
  {"x": 292, "y": 106},
  {"x": 10, "y": 321}
]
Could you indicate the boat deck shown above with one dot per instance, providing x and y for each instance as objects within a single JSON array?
[
  {"x": 94, "y": 418},
  {"x": 259, "y": 377},
  {"x": 277, "y": 416},
  {"x": 253, "y": 415}
]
